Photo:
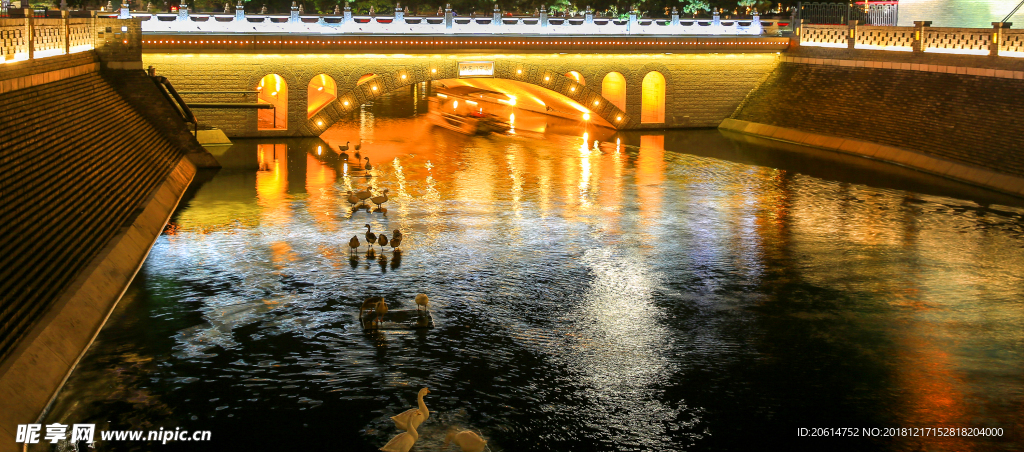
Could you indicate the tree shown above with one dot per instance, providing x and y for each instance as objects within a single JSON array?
[{"x": 694, "y": 6}]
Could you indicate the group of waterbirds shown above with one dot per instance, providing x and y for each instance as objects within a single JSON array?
[
  {"x": 379, "y": 308},
  {"x": 372, "y": 239},
  {"x": 358, "y": 199},
  {"x": 358, "y": 146},
  {"x": 411, "y": 419}
]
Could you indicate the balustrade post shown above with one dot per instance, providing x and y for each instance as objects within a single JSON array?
[
  {"x": 64, "y": 5},
  {"x": 347, "y": 14},
  {"x": 496, "y": 17},
  {"x": 65, "y": 29},
  {"x": 997, "y": 36},
  {"x": 851, "y": 38},
  {"x": 675, "y": 17},
  {"x": 633, "y": 24},
  {"x": 755, "y": 23},
  {"x": 124, "y": 12},
  {"x": 588, "y": 16},
  {"x": 240, "y": 12},
  {"x": 716, "y": 18},
  {"x": 183, "y": 12},
  {"x": 543, "y": 18},
  {"x": 919, "y": 26},
  {"x": 293, "y": 17},
  {"x": 30, "y": 41},
  {"x": 449, "y": 19},
  {"x": 399, "y": 14}
]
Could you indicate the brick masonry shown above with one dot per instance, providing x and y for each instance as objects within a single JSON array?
[
  {"x": 968, "y": 119},
  {"x": 701, "y": 89}
]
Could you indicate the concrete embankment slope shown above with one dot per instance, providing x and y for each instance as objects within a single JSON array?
[
  {"x": 955, "y": 116},
  {"x": 92, "y": 164}
]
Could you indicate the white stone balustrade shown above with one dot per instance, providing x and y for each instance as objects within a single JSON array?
[{"x": 400, "y": 24}]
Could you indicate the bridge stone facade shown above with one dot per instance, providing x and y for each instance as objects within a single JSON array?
[{"x": 700, "y": 89}]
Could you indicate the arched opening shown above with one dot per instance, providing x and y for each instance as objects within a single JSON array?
[
  {"x": 576, "y": 76},
  {"x": 321, "y": 91},
  {"x": 273, "y": 90},
  {"x": 653, "y": 106},
  {"x": 613, "y": 88},
  {"x": 365, "y": 79}
]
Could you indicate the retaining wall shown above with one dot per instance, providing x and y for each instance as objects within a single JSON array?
[{"x": 941, "y": 112}]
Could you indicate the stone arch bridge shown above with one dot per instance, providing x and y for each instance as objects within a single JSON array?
[{"x": 702, "y": 80}]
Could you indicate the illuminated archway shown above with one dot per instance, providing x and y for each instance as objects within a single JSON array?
[
  {"x": 576, "y": 76},
  {"x": 653, "y": 106},
  {"x": 371, "y": 85},
  {"x": 365, "y": 78},
  {"x": 321, "y": 91},
  {"x": 273, "y": 90},
  {"x": 613, "y": 88}
]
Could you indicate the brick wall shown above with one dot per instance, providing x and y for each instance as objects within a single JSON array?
[
  {"x": 701, "y": 89},
  {"x": 969, "y": 119}
]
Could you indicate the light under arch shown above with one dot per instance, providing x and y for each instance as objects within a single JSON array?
[
  {"x": 321, "y": 91},
  {"x": 652, "y": 110},
  {"x": 273, "y": 90},
  {"x": 613, "y": 88},
  {"x": 371, "y": 86},
  {"x": 576, "y": 76}
]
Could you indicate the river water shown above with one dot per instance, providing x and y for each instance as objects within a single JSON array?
[{"x": 667, "y": 291}]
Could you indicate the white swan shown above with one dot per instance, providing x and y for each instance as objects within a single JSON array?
[
  {"x": 413, "y": 417},
  {"x": 466, "y": 440},
  {"x": 403, "y": 442}
]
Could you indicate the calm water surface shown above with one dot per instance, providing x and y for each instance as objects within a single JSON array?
[{"x": 671, "y": 291}]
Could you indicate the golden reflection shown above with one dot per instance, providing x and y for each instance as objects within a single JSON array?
[
  {"x": 649, "y": 176},
  {"x": 272, "y": 183},
  {"x": 320, "y": 188}
]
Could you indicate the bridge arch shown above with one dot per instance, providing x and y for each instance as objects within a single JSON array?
[
  {"x": 613, "y": 88},
  {"x": 321, "y": 90},
  {"x": 652, "y": 110},
  {"x": 273, "y": 89},
  {"x": 356, "y": 94}
]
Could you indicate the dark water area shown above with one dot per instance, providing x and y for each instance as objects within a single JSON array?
[{"x": 662, "y": 291}]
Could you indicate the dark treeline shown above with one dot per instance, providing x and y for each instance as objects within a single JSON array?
[{"x": 615, "y": 8}]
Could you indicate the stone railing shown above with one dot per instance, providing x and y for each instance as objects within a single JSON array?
[
  {"x": 1012, "y": 43},
  {"x": 344, "y": 22},
  {"x": 48, "y": 37},
  {"x": 922, "y": 37},
  {"x": 115, "y": 40},
  {"x": 884, "y": 38}
]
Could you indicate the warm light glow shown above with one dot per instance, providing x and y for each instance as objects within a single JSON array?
[
  {"x": 618, "y": 118},
  {"x": 613, "y": 88},
  {"x": 403, "y": 76},
  {"x": 433, "y": 71},
  {"x": 586, "y": 116},
  {"x": 455, "y": 105},
  {"x": 321, "y": 91},
  {"x": 596, "y": 102},
  {"x": 653, "y": 98},
  {"x": 375, "y": 88},
  {"x": 319, "y": 150},
  {"x": 277, "y": 117},
  {"x": 319, "y": 122}
]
